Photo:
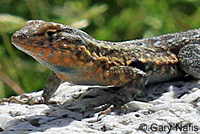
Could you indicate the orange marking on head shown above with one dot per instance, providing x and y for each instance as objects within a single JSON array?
[
  {"x": 29, "y": 48},
  {"x": 67, "y": 52},
  {"x": 67, "y": 60},
  {"x": 55, "y": 58},
  {"x": 59, "y": 63},
  {"x": 46, "y": 52},
  {"x": 55, "y": 44},
  {"x": 74, "y": 57},
  {"x": 38, "y": 38},
  {"x": 38, "y": 50}
]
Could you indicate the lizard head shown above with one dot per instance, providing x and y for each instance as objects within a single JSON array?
[{"x": 59, "y": 47}]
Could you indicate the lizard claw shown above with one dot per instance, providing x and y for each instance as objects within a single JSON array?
[
  {"x": 101, "y": 114},
  {"x": 105, "y": 112}
]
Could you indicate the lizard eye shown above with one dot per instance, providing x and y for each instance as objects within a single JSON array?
[{"x": 50, "y": 32}]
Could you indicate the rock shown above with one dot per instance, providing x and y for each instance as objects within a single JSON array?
[{"x": 165, "y": 107}]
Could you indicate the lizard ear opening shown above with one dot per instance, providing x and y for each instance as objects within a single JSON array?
[{"x": 138, "y": 64}]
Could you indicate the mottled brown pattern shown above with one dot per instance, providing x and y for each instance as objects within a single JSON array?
[{"x": 78, "y": 58}]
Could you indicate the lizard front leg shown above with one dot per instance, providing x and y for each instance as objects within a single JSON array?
[
  {"x": 51, "y": 86},
  {"x": 189, "y": 58},
  {"x": 131, "y": 81}
]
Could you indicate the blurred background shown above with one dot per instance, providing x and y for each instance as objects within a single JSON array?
[{"x": 103, "y": 19}]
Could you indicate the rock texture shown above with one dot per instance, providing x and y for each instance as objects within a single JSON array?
[{"x": 172, "y": 107}]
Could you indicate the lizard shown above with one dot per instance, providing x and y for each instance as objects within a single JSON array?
[{"x": 76, "y": 57}]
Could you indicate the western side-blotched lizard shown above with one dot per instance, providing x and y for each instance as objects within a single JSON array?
[{"x": 76, "y": 57}]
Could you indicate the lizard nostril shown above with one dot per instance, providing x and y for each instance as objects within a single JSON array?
[
  {"x": 18, "y": 36},
  {"x": 22, "y": 35}
]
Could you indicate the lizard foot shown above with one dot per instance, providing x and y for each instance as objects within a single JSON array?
[
  {"x": 117, "y": 103},
  {"x": 29, "y": 100},
  {"x": 128, "y": 107},
  {"x": 24, "y": 99}
]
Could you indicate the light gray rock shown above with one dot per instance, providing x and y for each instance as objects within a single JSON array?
[{"x": 157, "y": 108}]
